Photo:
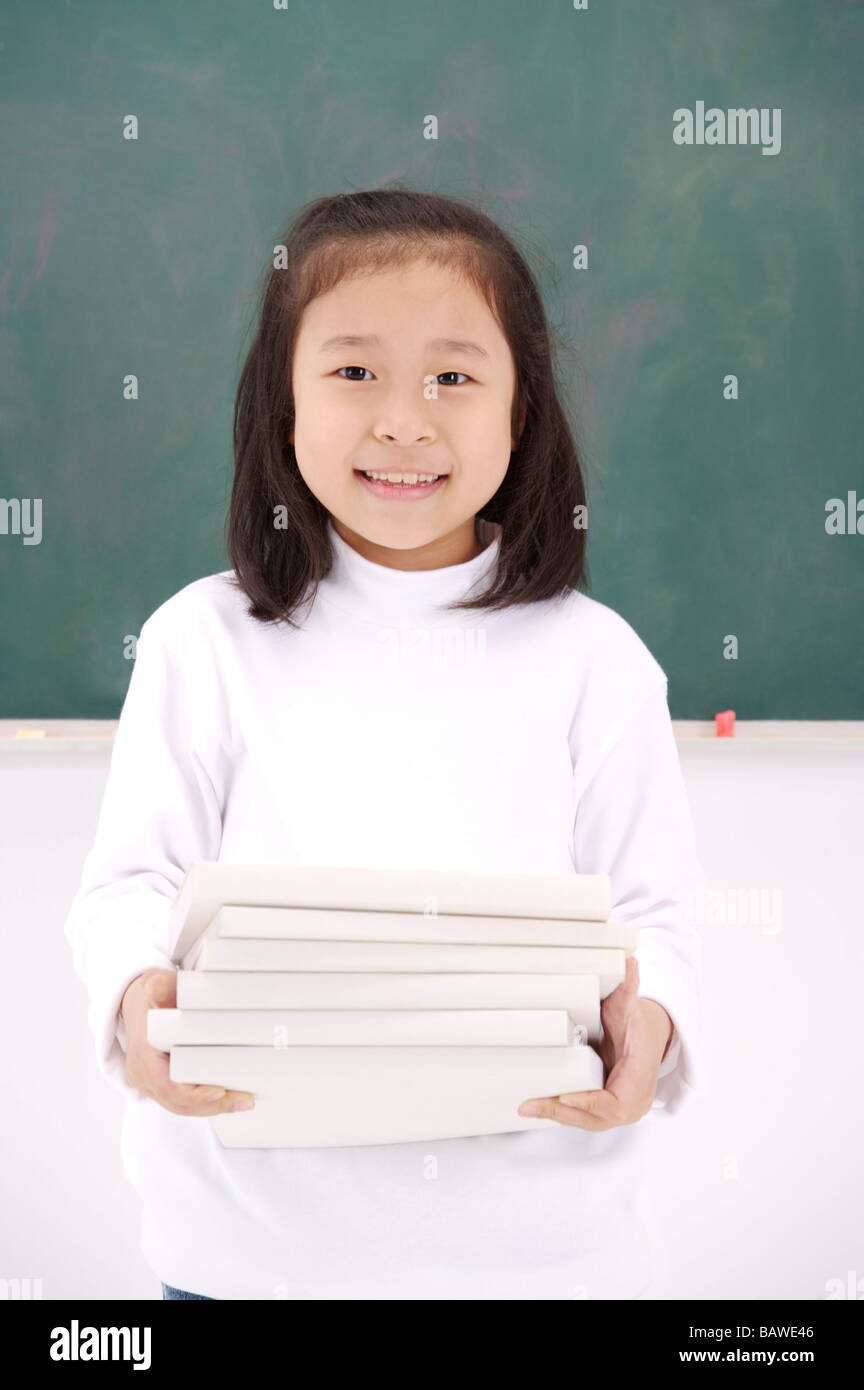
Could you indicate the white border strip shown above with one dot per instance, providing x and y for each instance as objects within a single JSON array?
[
  {"x": 769, "y": 730},
  {"x": 74, "y": 733}
]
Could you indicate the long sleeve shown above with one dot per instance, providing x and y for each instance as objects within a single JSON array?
[
  {"x": 159, "y": 814},
  {"x": 633, "y": 822}
]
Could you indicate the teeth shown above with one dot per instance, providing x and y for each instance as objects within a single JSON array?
[{"x": 409, "y": 478}]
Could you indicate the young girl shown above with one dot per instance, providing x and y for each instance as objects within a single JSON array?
[{"x": 400, "y": 671}]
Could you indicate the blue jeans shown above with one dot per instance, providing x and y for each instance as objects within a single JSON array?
[{"x": 169, "y": 1292}]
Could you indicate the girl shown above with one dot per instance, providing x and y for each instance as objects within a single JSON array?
[{"x": 400, "y": 670}]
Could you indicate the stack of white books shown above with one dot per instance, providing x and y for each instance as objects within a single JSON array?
[{"x": 370, "y": 1006}]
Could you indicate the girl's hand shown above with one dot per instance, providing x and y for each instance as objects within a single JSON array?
[
  {"x": 147, "y": 1067},
  {"x": 636, "y": 1033}
]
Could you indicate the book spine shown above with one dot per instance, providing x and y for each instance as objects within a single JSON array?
[
  {"x": 167, "y": 1028},
  {"x": 577, "y": 995},
  {"x": 385, "y": 1095},
  {"x": 315, "y": 924},
  {"x": 209, "y": 885},
  {"x": 197, "y": 989},
  {"x": 362, "y": 957}
]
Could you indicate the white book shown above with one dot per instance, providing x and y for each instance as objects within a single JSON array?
[
  {"x": 579, "y": 995},
  {"x": 167, "y": 1028},
  {"x": 209, "y": 885},
  {"x": 401, "y": 956},
  {"x": 319, "y": 1097},
  {"x": 341, "y": 924}
]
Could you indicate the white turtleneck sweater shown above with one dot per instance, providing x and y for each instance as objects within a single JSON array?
[{"x": 385, "y": 733}]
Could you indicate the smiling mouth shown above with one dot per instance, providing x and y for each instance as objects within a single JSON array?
[{"x": 397, "y": 484}]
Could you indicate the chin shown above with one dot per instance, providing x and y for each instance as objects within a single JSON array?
[{"x": 398, "y": 535}]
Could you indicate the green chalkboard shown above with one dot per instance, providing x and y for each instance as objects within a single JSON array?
[{"x": 705, "y": 261}]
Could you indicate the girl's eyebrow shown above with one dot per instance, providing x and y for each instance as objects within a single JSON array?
[{"x": 346, "y": 340}]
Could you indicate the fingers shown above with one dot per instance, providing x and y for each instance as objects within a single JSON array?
[
  {"x": 204, "y": 1100},
  {"x": 621, "y": 1003},
  {"x": 591, "y": 1110},
  {"x": 631, "y": 974},
  {"x": 182, "y": 1098},
  {"x": 595, "y": 1111},
  {"x": 617, "y": 1012},
  {"x": 148, "y": 1068}
]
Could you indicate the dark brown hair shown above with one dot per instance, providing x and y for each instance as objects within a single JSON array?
[{"x": 542, "y": 552}]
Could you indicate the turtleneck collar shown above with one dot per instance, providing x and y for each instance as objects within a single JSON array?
[{"x": 380, "y": 593}]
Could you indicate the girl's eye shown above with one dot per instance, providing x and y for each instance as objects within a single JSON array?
[
  {"x": 353, "y": 369},
  {"x": 366, "y": 369}
]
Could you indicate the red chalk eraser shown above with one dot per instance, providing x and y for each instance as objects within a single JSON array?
[{"x": 725, "y": 724}]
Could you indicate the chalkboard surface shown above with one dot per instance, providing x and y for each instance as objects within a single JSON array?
[{"x": 706, "y": 262}]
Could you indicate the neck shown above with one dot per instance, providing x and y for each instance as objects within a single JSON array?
[
  {"x": 378, "y": 592},
  {"x": 455, "y": 548}
]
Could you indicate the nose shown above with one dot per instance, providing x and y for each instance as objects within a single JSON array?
[{"x": 404, "y": 419}]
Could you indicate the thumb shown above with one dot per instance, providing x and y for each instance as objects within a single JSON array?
[
  {"x": 619, "y": 1007},
  {"x": 160, "y": 990}
]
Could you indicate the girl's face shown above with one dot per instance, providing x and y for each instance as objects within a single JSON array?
[{"x": 403, "y": 371}]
